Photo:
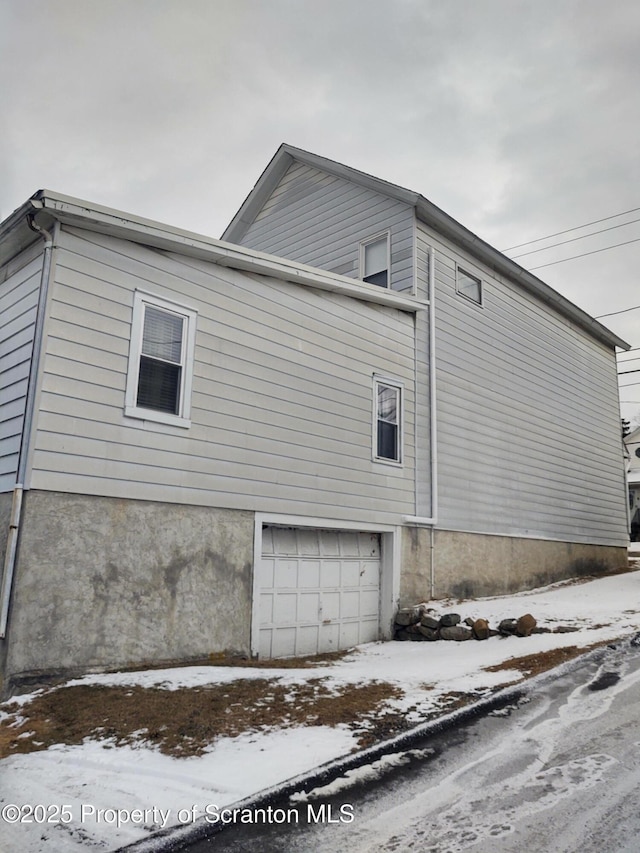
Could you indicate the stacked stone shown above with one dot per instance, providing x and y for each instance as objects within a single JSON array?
[{"x": 420, "y": 623}]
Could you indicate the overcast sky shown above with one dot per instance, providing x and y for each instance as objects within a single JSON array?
[{"x": 520, "y": 119}]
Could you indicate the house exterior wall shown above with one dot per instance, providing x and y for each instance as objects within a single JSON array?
[
  {"x": 527, "y": 415},
  {"x": 107, "y": 582},
  {"x": 470, "y": 565},
  {"x": 320, "y": 219},
  {"x": 282, "y": 390},
  {"x": 19, "y": 290}
]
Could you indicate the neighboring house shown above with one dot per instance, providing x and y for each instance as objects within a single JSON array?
[
  {"x": 209, "y": 449},
  {"x": 632, "y": 448}
]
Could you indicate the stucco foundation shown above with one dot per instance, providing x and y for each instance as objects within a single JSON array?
[
  {"x": 468, "y": 565},
  {"x": 102, "y": 582}
]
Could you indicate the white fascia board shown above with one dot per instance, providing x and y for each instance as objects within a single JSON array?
[{"x": 116, "y": 223}]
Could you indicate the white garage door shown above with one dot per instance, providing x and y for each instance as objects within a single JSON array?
[{"x": 319, "y": 590}]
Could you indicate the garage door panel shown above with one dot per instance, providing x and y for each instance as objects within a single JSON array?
[
  {"x": 266, "y": 607},
  {"x": 369, "y": 545},
  {"x": 267, "y": 572},
  {"x": 285, "y": 540},
  {"x": 369, "y": 574},
  {"x": 318, "y": 590},
  {"x": 308, "y": 639},
  {"x": 350, "y": 605},
  {"x": 285, "y": 608},
  {"x": 369, "y": 603},
  {"x": 369, "y": 631},
  {"x": 330, "y": 575},
  {"x": 350, "y": 574},
  {"x": 308, "y": 543},
  {"x": 349, "y": 634},
  {"x": 283, "y": 643},
  {"x": 331, "y": 605},
  {"x": 329, "y": 638},
  {"x": 308, "y": 607},
  {"x": 330, "y": 543},
  {"x": 286, "y": 574},
  {"x": 309, "y": 574}
]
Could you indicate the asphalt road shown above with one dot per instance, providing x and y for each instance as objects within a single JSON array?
[{"x": 559, "y": 772}]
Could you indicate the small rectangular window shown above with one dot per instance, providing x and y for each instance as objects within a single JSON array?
[
  {"x": 388, "y": 418},
  {"x": 469, "y": 286},
  {"x": 374, "y": 261},
  {"x": 160, "y": 361}
]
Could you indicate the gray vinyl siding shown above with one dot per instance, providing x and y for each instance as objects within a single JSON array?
[
  {"x": 527, "y": 415},
  {"x": 319, "y": 219},
  {"x": 282, "y": 390},
  {"x": 19, "y": 289}
]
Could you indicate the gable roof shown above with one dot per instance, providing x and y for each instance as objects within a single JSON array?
[
  {"x": 48, "y": 207},
  {"x": 426, "y": 212}
]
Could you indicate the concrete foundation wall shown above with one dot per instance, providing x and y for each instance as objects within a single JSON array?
[
  {"x": 104, "y": 582},
  {"x": 468, "y": 565}
]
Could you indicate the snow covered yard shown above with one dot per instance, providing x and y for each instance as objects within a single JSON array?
[{"x": 110, "y": 758}]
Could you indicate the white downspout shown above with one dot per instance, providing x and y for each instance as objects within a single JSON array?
[
  {"x": 420, "y": 521},
  {"x": 16, "y": 508},
  {"x": 417, "y": 520}
]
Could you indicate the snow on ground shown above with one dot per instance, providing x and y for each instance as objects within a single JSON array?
[{"x": 154, "y": 791}]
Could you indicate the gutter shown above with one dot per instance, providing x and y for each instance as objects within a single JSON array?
[{"x": 81, "y": 214}]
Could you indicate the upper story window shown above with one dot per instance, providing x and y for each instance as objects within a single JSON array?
[
  {"x": 374, "y": 260},
  {"x": 161, "y": 354},
  {"x": 469, "y": 286},
  {"x": 388, "y": 421}
]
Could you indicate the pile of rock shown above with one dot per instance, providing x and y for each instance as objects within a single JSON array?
[{"x": 421, "y": 623}]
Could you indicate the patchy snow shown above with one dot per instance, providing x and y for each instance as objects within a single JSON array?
[{"x": 140, "y": 790}]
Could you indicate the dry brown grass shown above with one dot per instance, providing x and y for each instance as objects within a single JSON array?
[
  {"x": 184, "y": 722},
  {"x": 542, "y": 661}
]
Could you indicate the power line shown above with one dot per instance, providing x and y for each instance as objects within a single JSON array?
[
  {"x": 622, "y": 311},
  {"x": 574, "y": 239},
  {"x": 575, "y": 228},
  {"x": 622, "y": 372},
  {"x": 584, "y": 254}
]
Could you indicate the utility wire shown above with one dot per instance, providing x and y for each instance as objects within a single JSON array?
[
  {"x": 573, "y": 239},
  {"x": 621, "y": 372},
  {"x": 623, "y": 311},
  {"x": 575, "y": 228},
  {"x": 584, "y": 254}
]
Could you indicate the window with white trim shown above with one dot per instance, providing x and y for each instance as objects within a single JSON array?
[
  {"x": 374, "y": 260},
  {"x": 387, "y": 437},
  {"x": 161, "y": 354},
  {"x": 469, "y": 286}
]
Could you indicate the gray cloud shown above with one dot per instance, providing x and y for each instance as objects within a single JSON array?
[{"x": 518, "y": 118}]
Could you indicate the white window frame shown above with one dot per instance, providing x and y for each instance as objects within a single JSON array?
[
  {"x": 189, "y": 315},
  {"x": 399, "y": 388},
  {"x": 376, "y": 238},
  {"x": 462, "y": 270}
]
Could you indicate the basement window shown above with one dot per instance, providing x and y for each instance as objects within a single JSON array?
[{"x": 161, "y": 355}]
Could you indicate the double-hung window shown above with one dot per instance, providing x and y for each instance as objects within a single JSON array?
[
  {"x": 374, "y": 260},
  {"x": 387, "y": 438},
  {"x": 160, "y": 361},
  {"x": 469, "y": 286}
]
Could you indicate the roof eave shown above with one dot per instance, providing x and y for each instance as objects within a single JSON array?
[{"x": 82, "y": 214}]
